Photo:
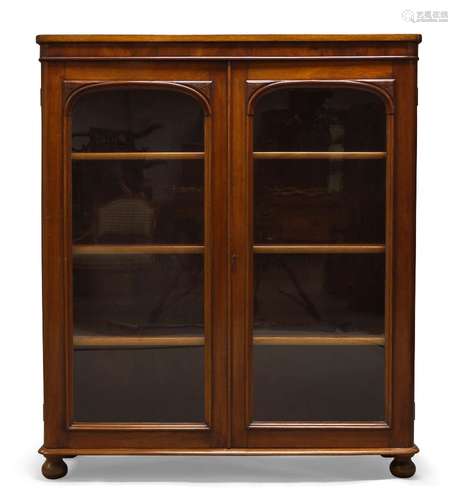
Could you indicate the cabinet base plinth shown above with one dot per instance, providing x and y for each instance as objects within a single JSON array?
[
  {"x": 390, "y": 452},
  {"x": 401, "y": 466}
]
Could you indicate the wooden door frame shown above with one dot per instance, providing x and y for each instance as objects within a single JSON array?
[
  {"x": 206, "y": 81},
  {"x": 397, "y": 431}
]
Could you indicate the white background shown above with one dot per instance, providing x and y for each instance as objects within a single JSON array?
[{"x": 20, "y": 274}]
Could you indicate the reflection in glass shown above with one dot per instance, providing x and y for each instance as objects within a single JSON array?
[
  {"x": 139, "y": 385},
  {"x": 135, "y": 313},
  {"x": 303, "y": 300},
  {"x": 137, "y": 294},
  {"x": 319, "y": 293},
  {"x": 318, "y": 383},
  {"x": 137, "y": 120},
  {"x": 316, "y": 201},
  {"x": 313, "y": 119},
  {"x": 138, "y": 201}
]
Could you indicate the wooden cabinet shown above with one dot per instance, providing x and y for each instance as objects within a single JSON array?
[{"x": 228, "y": 245}]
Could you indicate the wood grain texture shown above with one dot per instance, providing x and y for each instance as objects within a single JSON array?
[
  {"x": 319, "y": 339},
  {"x": 226, "y": 38},
  {"x": 137, "y": 341},
  {"x": 243, "y": 433},
  {"x": 144, "y": 48},
  {"x": 136, "y": 249},
  {"x": 229, "y": 62},
  {"x": 58, "y": 251},
  {"x": 122, "y": 341},
  {"x": 330, "y": 451},
  {"x": 319, "y": 155},
  {"x": 321, "y": 249},
  {"x": 139, "y": 155}
]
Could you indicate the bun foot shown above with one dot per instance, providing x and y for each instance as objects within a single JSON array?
[
  {"x": 402, "y": 467},
  {"x": 54, "y": 468}
]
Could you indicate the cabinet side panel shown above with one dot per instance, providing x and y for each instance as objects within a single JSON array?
[
  {"x": 404, "y": 254},
  {"x": 53, "y": 255}
]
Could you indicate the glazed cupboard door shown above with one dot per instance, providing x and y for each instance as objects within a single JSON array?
[
  {"x": 312, "y": 330},
  {"x": 144, "y": 171}
]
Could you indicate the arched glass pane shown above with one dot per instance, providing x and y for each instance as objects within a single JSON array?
[
  {"x": 319, "y": 183},
  {"x": 138, "y": 256},
  {"x": 137, "y": 120},
  {"x": 319, "y": 119}
]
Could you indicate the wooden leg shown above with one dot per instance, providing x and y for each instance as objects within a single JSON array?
[
  {"x": 402, "y": 466},
  {"x": 54, "y": 468}
]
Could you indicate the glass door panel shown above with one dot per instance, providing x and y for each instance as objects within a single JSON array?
[
  {"x": 136, "y": 119},
  {"x": 340, "y": 294},
  {"x": 138, "y": 201},
  {"x": 319, "y": 205},
  {"x": 320, "y": 120},
  {"x": 319, "y": 201},
  {"x": 138, "y": 176},
  {"x": 139, "y": 384},
  {"x": 318, "y": 383}
]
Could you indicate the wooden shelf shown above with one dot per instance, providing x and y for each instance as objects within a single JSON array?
[
  {"x": 81, "y": 341},
  {"x": 141, "y": 155},
  {"x": 325, "y": 249},
  {"x": 319, "y": 155},
  {"x": 136, "y": 249},
  {"x": 199, "y": 249},
  {"x": 264, "y": 338}
]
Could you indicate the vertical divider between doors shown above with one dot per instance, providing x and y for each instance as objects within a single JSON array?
[{"x": 239, "y": 241}]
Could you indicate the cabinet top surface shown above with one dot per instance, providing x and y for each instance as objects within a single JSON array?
[{"x": 42, "y": 39}]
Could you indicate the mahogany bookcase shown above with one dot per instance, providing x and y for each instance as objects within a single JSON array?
[{"x": 228, "y": 245}]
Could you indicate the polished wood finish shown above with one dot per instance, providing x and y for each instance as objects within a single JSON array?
[
  {"x": 318, "y": 339},
  {"x": 233, "y": 451},
  {"x": 399, "y": 285},
  {"x": 54, "y": 468},
  {"x": 135, "y": 341},
  {"x": 314, "y": 48},
  {"x": 58, "y": 256},
  {"x": 405, "y": 37},
  {"x": 319, "y": 155},
  {"x": 104, "y": 341},
  {"x": 136, "y": 249},
  {"x": 323, "y": 249},
  {"x": 142, "y": 155},
  {"x": 77, "y": 63},
  {"x": 402, "y": 466}
]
